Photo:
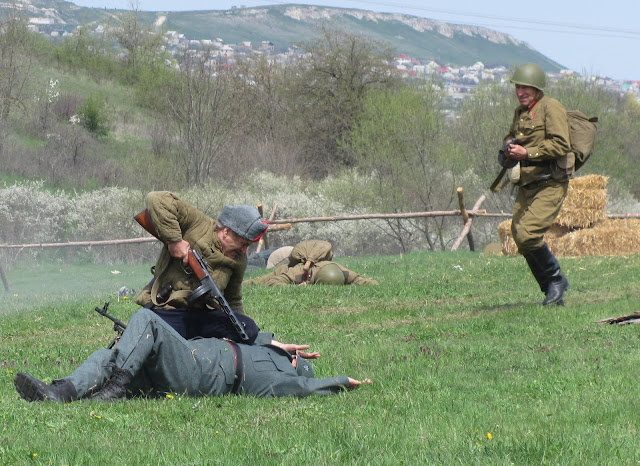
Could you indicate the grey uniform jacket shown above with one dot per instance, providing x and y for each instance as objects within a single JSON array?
[{"x": 161, "y": 361}]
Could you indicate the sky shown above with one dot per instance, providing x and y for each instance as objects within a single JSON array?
[{"x": 587, "y": 36}]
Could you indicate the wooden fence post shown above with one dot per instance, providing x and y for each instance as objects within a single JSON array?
[
  {"x": 467, "y": 225},
  {"x": 465, "y": 217}
]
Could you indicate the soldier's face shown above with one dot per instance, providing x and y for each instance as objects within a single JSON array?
[
  {"x": 232, "y": 243},
  {"x": 526, "y": 94}
]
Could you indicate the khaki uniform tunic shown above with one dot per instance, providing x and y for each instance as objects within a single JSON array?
[
  {"x": 544, "y": 131},
  {"x": 174, "y": 220}
]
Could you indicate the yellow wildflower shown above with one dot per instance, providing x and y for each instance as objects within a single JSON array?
[{"x": 489, "y": 436}]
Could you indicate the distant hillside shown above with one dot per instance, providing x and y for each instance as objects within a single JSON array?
[{"x": 285, "y": 25}]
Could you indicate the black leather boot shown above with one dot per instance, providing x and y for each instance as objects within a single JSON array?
[
  {"x": 550, "y": 270},
  {"x": 115, "y": 387},
  {"x": 537, "y": 273},
  {"x": 32, "y": 389}
]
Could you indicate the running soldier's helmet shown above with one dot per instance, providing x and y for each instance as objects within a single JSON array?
[
  {"x": 529, "y": 74},
  {"x": 330, "y": 274}
]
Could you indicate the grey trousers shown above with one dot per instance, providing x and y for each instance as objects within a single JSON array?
[{"x": 161, "y": 361}]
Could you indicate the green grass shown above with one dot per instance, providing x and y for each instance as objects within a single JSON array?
[{"x": 456, "y": 344}]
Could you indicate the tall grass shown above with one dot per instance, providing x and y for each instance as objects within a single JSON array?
[{"x": 467, "y": 368}]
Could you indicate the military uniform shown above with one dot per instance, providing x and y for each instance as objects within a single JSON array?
[
  {"x": 295, "y": 275},
  {"x": 160, "y": 361},
  {"x": 175, "y": 220},
  {"x": 540, "y": 126},
  {"x": 544, "y": 131},
  {"x": 304, "y": 262}
]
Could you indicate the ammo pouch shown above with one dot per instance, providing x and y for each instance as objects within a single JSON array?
[
  {"x": 514, "y": 173},
  {"x": 564, "y": 168}
]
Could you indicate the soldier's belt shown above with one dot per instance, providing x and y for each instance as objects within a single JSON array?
[
  {"x": 534, "y": 163},
  {"x": 237, "y": 359}
]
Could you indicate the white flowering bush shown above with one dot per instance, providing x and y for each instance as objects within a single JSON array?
[{"x": 30, "y": 214}]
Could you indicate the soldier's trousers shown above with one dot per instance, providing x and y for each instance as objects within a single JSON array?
[
  {"x": 160, "y": 360},
  {"x": 536, "y": 208}
]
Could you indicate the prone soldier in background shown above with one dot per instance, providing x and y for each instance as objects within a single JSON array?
[{"x": 310, "y": 262}]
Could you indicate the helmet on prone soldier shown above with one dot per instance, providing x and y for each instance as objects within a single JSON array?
[
  {"x": 529, "y": 74},
  {"x": 330, "y": 274}
]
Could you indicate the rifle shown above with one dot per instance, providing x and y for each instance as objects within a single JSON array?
[
  {"x": 118, "y": 325},
  {"x": 506, "y": 164},
  {"x": 207, "y": 283}
]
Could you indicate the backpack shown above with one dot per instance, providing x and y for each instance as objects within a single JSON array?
[{"x": 583, "y": 133}]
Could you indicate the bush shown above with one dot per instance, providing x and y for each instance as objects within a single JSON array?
[{"x": 93, "y": 115}]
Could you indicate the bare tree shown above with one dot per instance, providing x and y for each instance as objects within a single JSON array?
[
  {"x": 142, "y": 43},
  {"x": 15, "y": 64},
  {"x": 341, "y": 69},
  {"x": 200, "y": 119},
  {"x": 399, "y": 141}
]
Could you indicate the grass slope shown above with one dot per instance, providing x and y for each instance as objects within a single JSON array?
[{"x": 467, "y": 368}]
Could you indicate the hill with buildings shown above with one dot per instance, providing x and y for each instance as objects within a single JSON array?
[{"x": 285, "y": 26}]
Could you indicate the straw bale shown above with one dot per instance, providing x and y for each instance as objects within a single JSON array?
[
  {"x": 586, "y": 202},
  {"x": 509, "y": 246},
  {"x": 506, "y": 240},
  {"x": 589, "y": 182},
  {"x": 580, "y": 217},
  {"x": 582, "y": 227},
  {"x": 585, "y": 199},
  {"x": 610, "y": 238}
]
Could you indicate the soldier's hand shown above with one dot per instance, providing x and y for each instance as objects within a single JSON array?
[
  {"x": 517, "y": 152},
  {"x": 304, "y": 354},
  {"x": 353, "y": 383},
  {"x": 179, "y": 250}
]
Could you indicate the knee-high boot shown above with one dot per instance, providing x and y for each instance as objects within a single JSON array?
[
  {"x": 550, "y": 270},
  {"x": 537, "y": 273}
]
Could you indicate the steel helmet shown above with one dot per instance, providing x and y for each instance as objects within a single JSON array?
[
  {"x": 529, "y": 74},
  {"x": 330, "y": 274}
]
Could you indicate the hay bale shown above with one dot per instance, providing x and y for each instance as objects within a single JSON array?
[
  {"x": 609, "y": 238},
  {"x": 509, "y": 247},
  {"x": 589, "y": 182},
  {"x": 582, "y": 227},
  {"x": 586, "y": 202},
  {"x": 506, "y": 240}
]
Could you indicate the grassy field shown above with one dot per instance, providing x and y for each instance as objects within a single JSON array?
[{"x": 467, "y": 368}]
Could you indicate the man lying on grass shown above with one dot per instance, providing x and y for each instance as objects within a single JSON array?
[{"x": 152, "y": 359}]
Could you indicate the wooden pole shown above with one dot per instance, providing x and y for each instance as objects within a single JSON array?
[
  {"x": 467, "y": 225},
  {"x": 263, "y": 243},
  {"x": 4, "y": 279},
  {"x": 465, "y": 218},
  {"x": 279, "y": 227},
  {"x": 442, "y": 213}
]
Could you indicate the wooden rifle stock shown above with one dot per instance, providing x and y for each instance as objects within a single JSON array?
[{"x": 144, "y": 219}]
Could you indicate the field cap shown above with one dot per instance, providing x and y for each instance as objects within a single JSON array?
[
  {"x": 304, "y": 367},
  {"x": 244, "y": 220}
]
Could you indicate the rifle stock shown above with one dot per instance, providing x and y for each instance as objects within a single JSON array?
[
  {"x": 144, "y": 219},
  {"x": 199, "y": 268}
]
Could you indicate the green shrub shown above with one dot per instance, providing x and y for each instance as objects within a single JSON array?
[{"x": 94, "y": 115}]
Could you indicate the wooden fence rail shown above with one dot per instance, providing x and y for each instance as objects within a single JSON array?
[{"x": 286, "y": 223}]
